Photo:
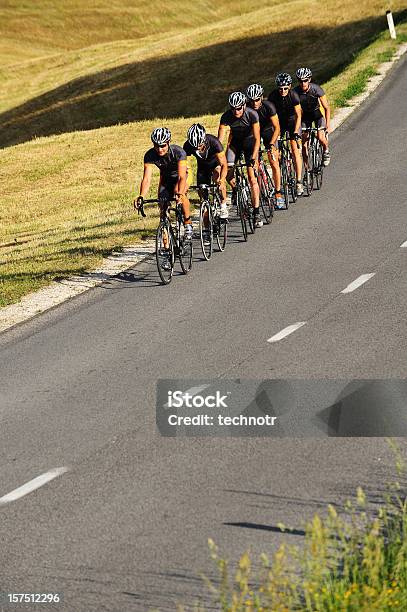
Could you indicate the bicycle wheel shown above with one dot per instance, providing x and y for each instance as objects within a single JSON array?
[
  {"x": 318, "y": 167},
  {"x": 249, "y": 207},
  {"x": 285, "y": 184},
  {"x": 266, "y": 200},
  {"x": 206, "y": 231},
  {"x": 164, "y": 252},
  {"x": 220, "y": 230},
  {"x": 292, "y": 179},
  {"x": 221, "y": 233},
  {"x": 242, "y": 212},
  {"x": 185, "y": 249},
  {"x": 321, "y": 164},
  {"x": 309, "y": 174}
]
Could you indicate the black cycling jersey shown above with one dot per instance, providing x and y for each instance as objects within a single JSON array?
[
  {"x": 240, "y": 127},
  {"x": 266, "y": 110},
  {"x": 310, "y": 99},
  {"x": 168, "y": 164},
  {"x": 284, "y": 104},
  {"x": 208, "y": 158}
]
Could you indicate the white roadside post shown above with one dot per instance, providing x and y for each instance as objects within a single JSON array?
[{"x": 390, "y": 21}]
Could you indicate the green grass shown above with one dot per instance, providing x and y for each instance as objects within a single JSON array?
[
  {"x": 352, "y": 80},
  {"x": 356, "y": 86},
  {"x": 66, "y": 199},
  {"x": 354, "y": 559}
]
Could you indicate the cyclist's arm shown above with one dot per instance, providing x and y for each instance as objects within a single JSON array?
[
  {"x": 146, "y": 180},
  {"x": 324, "y": 102},
  {"x": 221, "y": 131},
  {"x": 256, "y": 134},
  {"x": 276, "y": 133},
  {"x": 298, "y": 114},
  {"x": 189, "y": 171},
  {"x": 182, "y": 177},
  {"x": 221, "y": 157}
]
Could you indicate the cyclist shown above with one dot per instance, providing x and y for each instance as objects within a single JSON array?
[
  {"x": 287, "y": 103},
  {"x": 269, "y": 131},
  {"x": 312, "y": 98},
  {"x": 244, "y": 137},
  {"x": 211, "y": 160},
  {"x": 172, "y": 163}
]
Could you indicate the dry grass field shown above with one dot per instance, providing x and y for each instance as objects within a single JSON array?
[{"x": 66, "y": 196}]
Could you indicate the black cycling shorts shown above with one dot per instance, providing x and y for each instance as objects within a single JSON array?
[
  {"x": 204, "y": 175},
  {"x": 167, "y": 187},
  {"x": 235, "y": 149},
  {"x": 316, "y": 117},
  {"x": 267, "y": 135},
  {"x": 289, "y": 126}
]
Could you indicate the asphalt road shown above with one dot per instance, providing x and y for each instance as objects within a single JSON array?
[{"x": 125, "y": 526}]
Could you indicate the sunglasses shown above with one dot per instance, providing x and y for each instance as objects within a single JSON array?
[
  {"x": 283, "y": 88},
  {"x": 238, "y": 108},
  {"x": 157, "y": 146},
  {"x": 256, "y": 99},
  {"x": 304, "y": 80}
]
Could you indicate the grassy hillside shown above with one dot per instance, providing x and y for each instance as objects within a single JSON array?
[
  {"x": 66, "y": 200},
  {"x": 132, "y": 80},
  {"x": 33, "y": 28}
]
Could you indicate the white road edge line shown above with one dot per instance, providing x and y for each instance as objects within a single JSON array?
[
  {"x": 286, "y": 331},
  {"x": 32, "y": 485},
  {"x": 404, "y": 245},
  {"x": 360, "y": 280}
]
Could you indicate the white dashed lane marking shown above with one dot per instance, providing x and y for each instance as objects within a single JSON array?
[
  {"x": 358, "y": 282},
  {"x": 32, "y": 485},
  {"x": 404, "y": 245},
  {"x": 286, "y": 331}
]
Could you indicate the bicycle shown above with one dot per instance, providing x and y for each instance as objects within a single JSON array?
[
  {"x": 243, "y": 196},
  {"x": 170, "y": 241},
  {"x": 314, "y": 167},
  {"x": 210, "y": 223},
  {"x": 288, "y": 174},
  {"x": 267, "y": 191}
]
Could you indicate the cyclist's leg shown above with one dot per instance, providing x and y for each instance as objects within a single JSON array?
[
  {"x": 165, "y": 191},
  {"x": 222, "y": 187},
  {"x": 185, "y": 207},
  {"x": 306, "y": 123},
  {"x": 272, "y": 154},
  {"x": 297, "y": 157},
  {"x": 254, "y": 185},
  {"x": 216, "y": 171},
  {"x": 203, "y": 177},
  {"x": 231, "y": 157},
  {"x": 320, "y": 124},
  {"x": 322, "y": 137}
]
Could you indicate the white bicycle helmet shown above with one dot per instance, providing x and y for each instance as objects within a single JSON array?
[
  {"x": 236, "y": 99},
  {"x": 303, "y": 73},
  {"x": 196, "y": 135},
  {"x": 255, "y": 91},
  {"x": 161, "y": 135},
  {"x": 283, "y": 79}
]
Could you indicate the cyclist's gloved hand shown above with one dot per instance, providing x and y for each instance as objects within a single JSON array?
[
  {"x": 297, "y": 136},
  {"x": 139, "y": 206},
  {"x": 138, "y": 203},
  {"x": 252, "y": 162}
]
